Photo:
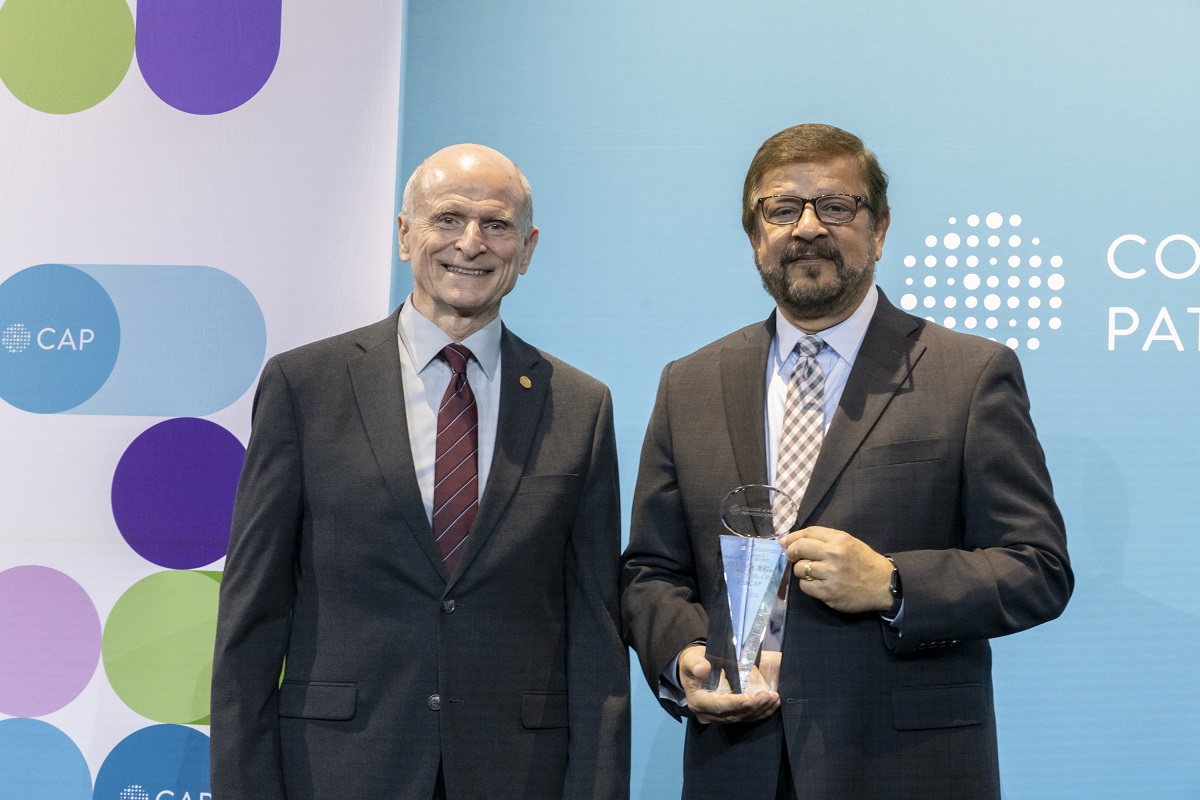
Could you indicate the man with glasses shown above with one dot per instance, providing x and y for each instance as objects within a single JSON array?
[{"x": 926, "y": 521}]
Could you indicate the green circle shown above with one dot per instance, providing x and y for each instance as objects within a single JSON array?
[
  {"x": 63, "y": 56},
  {"x": 158, "y": 645}
]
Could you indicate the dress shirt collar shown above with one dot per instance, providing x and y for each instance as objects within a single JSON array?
[
  {"x": 424, "y": 340},
  {"x": 844, "y": 338}
]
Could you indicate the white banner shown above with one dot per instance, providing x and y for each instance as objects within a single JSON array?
[{"x": 185, "y": 189}]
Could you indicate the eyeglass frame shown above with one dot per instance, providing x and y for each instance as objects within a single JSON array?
[{"x": 804, "y": 202}]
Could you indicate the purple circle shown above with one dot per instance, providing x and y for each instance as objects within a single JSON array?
[
  {"x": 208, "y": 56},
  {"x": 172, "y": 493},
  {"x": 49, "y": 640}
]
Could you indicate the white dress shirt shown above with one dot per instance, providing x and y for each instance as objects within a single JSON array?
[{"x": 425, "y": 380}]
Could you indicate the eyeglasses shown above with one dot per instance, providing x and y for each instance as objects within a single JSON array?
[{"x": 832, "y": 209}]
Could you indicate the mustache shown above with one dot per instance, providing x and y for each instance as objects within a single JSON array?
[{"x": 802, "y": 249}]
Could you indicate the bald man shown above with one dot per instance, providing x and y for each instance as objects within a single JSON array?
[{"x": 425, "y": 542}]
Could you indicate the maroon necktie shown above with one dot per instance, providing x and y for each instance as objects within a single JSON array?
[{"x": 456, "y": 473}]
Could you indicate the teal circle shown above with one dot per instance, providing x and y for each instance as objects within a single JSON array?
[
  {"x": 59, "y": 338},
  {"x": 40, "y": 762},
  {"x": 162, "y": 762}
]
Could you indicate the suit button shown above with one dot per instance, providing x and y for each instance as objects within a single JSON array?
[
  {"x": 434, "y": 702},
  {"x": 447, "y": 606}
]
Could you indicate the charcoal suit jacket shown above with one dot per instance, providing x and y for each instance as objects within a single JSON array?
[
  {"x": 931, "y": 458},
  {"x": 511, "y": 673}
]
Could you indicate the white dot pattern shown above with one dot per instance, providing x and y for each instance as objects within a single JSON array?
[
  {"x": 16, "y": 338},
  {"x": 1010, "y": 262}
]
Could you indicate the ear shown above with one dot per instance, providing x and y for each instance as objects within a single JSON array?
[
  {"x": 881, "y": 227},
  {"x": 530, "y": 243},
  {"x": 402, "y": 225}
]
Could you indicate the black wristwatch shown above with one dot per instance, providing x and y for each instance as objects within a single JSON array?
[{"x": 897, "y": 589}]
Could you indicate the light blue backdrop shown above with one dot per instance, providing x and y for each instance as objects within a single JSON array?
[{"x": 635, "y": 123}]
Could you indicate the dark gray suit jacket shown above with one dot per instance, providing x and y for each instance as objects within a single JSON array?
[
  {"x": 512, "y": 673},
  {"x": 931, "y": 458}
]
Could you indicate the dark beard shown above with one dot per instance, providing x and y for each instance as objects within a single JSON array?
[{"x": 816, "y": 300}]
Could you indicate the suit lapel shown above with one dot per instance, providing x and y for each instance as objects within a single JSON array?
[
  {"x": 885, "y": 361},
  {"x": 379, "y": 394},
  {"x": 743, "y": 386},
  {"x": 517, "y": 427}
]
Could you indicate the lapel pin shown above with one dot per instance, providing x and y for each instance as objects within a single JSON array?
[{"x": 525, "y": 382}]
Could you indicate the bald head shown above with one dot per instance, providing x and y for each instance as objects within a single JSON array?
[
  {"x": 466, "y": 227},
  {"x": 469, "y": 161}
]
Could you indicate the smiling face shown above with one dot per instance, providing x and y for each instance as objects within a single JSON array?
[
  {"x": 817, "y": 273},
  {"x": 465, "y": 233}
]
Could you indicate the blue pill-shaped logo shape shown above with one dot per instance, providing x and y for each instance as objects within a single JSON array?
[{"x": 127, "y": 340}]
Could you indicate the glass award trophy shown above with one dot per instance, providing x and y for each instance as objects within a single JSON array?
[{"x": 745, "y": 628}]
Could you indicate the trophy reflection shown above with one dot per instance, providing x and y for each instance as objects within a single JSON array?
[{"x": 745, "y": 628}]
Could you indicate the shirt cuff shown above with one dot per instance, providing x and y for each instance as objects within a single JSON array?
[{"x": 668, "y": 681}]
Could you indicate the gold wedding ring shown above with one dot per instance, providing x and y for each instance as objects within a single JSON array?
[{"x": 808, "y": 571}]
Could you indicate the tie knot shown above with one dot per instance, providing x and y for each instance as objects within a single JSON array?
[
  {"x": 809, "y": 346},
  {"x": 457, "y": 357}
]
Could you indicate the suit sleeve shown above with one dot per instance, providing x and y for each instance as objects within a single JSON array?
[
  {"x": 597, "y": 661},
  {"x": 660, "y": 597},
  {"x": 1012, "y": 571},
  {"x": 257, "y": 591}
]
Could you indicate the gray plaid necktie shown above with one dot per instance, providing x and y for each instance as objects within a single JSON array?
[{"x": 803, "y": 424}]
